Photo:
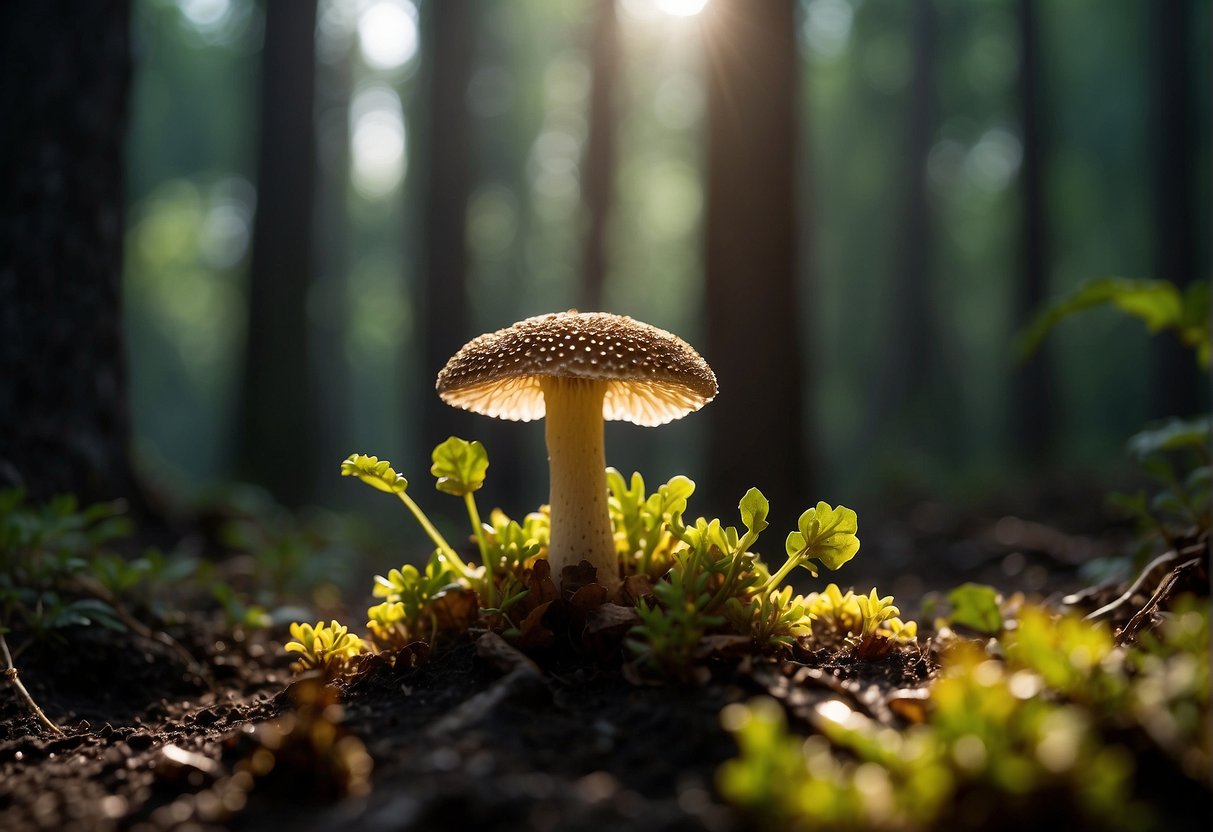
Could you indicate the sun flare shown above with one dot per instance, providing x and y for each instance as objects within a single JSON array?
[{"x": 682, "y": 8}]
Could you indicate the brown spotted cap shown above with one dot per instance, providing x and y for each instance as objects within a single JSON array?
[{"x": 652, "y": 376}]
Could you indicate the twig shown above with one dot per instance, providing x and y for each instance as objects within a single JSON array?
[
  {"x": 1165, "y": 559},
  {"x": 11, "y": 674},
  {"x": 1165, "y": 587}
]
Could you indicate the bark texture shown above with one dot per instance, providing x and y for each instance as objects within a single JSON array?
[
  {"x": 753, "y": 331},
  {"x": 278, "y": 424},
  {"x": 64, "y": 86}
]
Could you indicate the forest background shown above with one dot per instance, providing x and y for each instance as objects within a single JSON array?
[{"x": 851, "y": 207}]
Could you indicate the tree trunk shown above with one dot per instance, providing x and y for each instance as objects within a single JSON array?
[
  {"x": 329, "y": 370},
  {"x": 753, "y": 331},
  {"x": 278, "y": 421},
  {"x": 64, "y": 422},
  {"x": 905, "y": 380},
  {"x": 1175, "y": 377},
  {"x": 600, "y": 151},
  {"x": 1033, "y": 389},
  {"x": 444, "y": 320}
]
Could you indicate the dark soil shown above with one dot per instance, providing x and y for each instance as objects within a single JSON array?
[{"x": 457, "y": 741}]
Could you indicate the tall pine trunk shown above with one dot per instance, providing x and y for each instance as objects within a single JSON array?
[
  {"x": 444, "y": 319},
  {"x": 1174, "y": 371},
  {"x": 1033, "y": 390},
  {"x": 753, "y": 330},
  {"x": 65, "y": 73},
  {"x": 904, "y": 409},
  {"x": 599, "y": 174},
  {"x": 278, "y": 420}
]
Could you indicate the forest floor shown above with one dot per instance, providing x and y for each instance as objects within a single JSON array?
[{"x": 473, "y": 737}]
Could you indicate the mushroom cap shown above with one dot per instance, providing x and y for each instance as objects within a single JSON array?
[{"x": 652, "y": 376}]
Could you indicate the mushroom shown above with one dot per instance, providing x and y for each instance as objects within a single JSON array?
[{"x": 578, "y": 369}]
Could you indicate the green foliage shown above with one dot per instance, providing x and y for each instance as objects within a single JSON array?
[
  {"x": 57, "y": 571},
  {"x": 875, "y": 611},
  {"x": 1175, "y": 456},
  {"x": 705, "y": 578},
  {"x": 54, "y": 565},
  {"x": 976, "y": 606},
  {"x": 1158, "y": 303},
  {"x": 1171, "y": 435},
  {"x": 460, "y": 466},
  {"x": 1034, "y": 736},
  {"x": 867, "y": 622},
  {"x": 772, "y": 619},
  {"x": 767, "y": 778},
  {"x": 717, "y": 586},
  {"x": 825, "y": 534},
  {"x": 406, "y": 613},
  {"x": 1175, "y": 453},
  {"x": 669, "y": 632},
  {"x": 330, "y": 647},
  {"x": 644, "y": 523},
  {"x": 375, "y": 473}
]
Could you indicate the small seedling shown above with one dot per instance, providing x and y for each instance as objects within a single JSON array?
[
  {"x": 1038, "y": 729},
  {"x": 329, "y": 647},
  {"x": 695, "y": 581}
]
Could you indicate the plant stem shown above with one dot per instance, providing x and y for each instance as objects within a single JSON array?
[
  {"x": 11, "y": 673},
  {"x": 778, "y": 577},
  {"x": 474, "y": 515},
  {"x": 726, "y": 588},
  {"x": 435, "y": 536}
]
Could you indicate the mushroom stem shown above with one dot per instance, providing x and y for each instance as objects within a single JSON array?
[{"x": 581, "y": 522}]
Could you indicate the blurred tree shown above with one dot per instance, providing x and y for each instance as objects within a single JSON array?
[
  {"x": 1173, "y": 367},
  {"x": 1033, "y": 399},
  {"x": 752, "y": 334},
  {"x": 907, "y": 392},
  {"x": 599, "y": 173},
  {"x": 329, "y": 370},
  {"x": 443, "y": 317},
  {"x": 277, "y": 443},
  {"x": 64, "y": 88}
]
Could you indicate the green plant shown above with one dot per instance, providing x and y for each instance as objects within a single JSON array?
[
  {"x": 1158, "y": 303},
  {"x": 329, "y": 647},
  {"x": 688, "y": 582},
  {"x": 772, "y": 618},
  {"x": 868, "y": 623},
  {"x": 643, "y": 522},
  {"x": 670, "y": 630},
  {"x": 977, "y": 607},
  {"x": 53, "y": 559},
  {"x": 1174, "y": 453},
  {"x": 1175, "y": 456},
  {"x": 1042, "y": 733},
  {"x": 58, "y": 574},
  {"x": 717, "y": 586}
]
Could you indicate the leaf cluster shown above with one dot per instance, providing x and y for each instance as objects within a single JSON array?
[
  {"x": 1174, "y": 455},
  {"x": 869, "y": 623},
  {"x": 1041, "y": 728},
  {"x": 55, "y": 566},
  {"x": 644, "y": 522},
  {"x": 689, "y": 583},
  {"x": 329, "y": 647},
  {"x": 717, "y": 585},
  {"x": 448, "y": 594},
  {"x": 1159, "y": 304},
  {"x": 413, "y": 605}
]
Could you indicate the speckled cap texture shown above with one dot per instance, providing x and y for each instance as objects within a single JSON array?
[{"x": 652, "y": 376}]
